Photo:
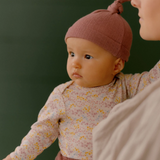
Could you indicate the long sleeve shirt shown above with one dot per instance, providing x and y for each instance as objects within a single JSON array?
[{"x": 71, "y": 112}]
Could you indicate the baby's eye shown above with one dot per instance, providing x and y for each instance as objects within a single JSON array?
[
  {"x": 72, "y": 54},
  {"x": 88, "y": 56}
]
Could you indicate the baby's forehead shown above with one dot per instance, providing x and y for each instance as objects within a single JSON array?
[
  {"x": 83, "y": 47},
  {"x": 82, "y": 44}
]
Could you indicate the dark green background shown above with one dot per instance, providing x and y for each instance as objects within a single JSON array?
[{"x": 33, "y": 59}]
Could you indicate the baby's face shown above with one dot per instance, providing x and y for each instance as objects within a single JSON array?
[{"x": 89, "y": 65}]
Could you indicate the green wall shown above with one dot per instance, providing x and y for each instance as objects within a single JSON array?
[{"x": 33, "y": 59}]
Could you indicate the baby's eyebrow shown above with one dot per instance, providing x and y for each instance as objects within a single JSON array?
[{"x": 68, "y": 47}]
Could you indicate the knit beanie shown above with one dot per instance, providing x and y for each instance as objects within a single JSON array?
[{"x": 106, "y": 28}]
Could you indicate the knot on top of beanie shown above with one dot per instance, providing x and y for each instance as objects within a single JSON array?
[{"x": 116, "y": 6}]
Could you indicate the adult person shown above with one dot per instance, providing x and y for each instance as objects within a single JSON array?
[{"x": 132, "y": 129}]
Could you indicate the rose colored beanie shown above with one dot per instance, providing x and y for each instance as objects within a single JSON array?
[{"x": 106, "y": 28}]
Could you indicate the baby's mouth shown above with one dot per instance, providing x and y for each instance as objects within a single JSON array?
[{"x": 76, "y": 75}]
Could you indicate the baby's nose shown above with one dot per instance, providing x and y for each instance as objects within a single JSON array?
[{"x": 76, "y": 63}]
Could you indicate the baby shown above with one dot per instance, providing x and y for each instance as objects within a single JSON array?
[{"x": 98, "y": 46}]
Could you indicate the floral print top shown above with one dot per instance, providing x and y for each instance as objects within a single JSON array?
[{"x": 71, "y": 112}]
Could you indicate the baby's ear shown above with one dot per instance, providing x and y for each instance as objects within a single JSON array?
[{"x": 118, "y": 66}]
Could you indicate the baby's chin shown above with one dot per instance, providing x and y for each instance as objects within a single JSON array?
[{"x": 83, "y": 84}]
